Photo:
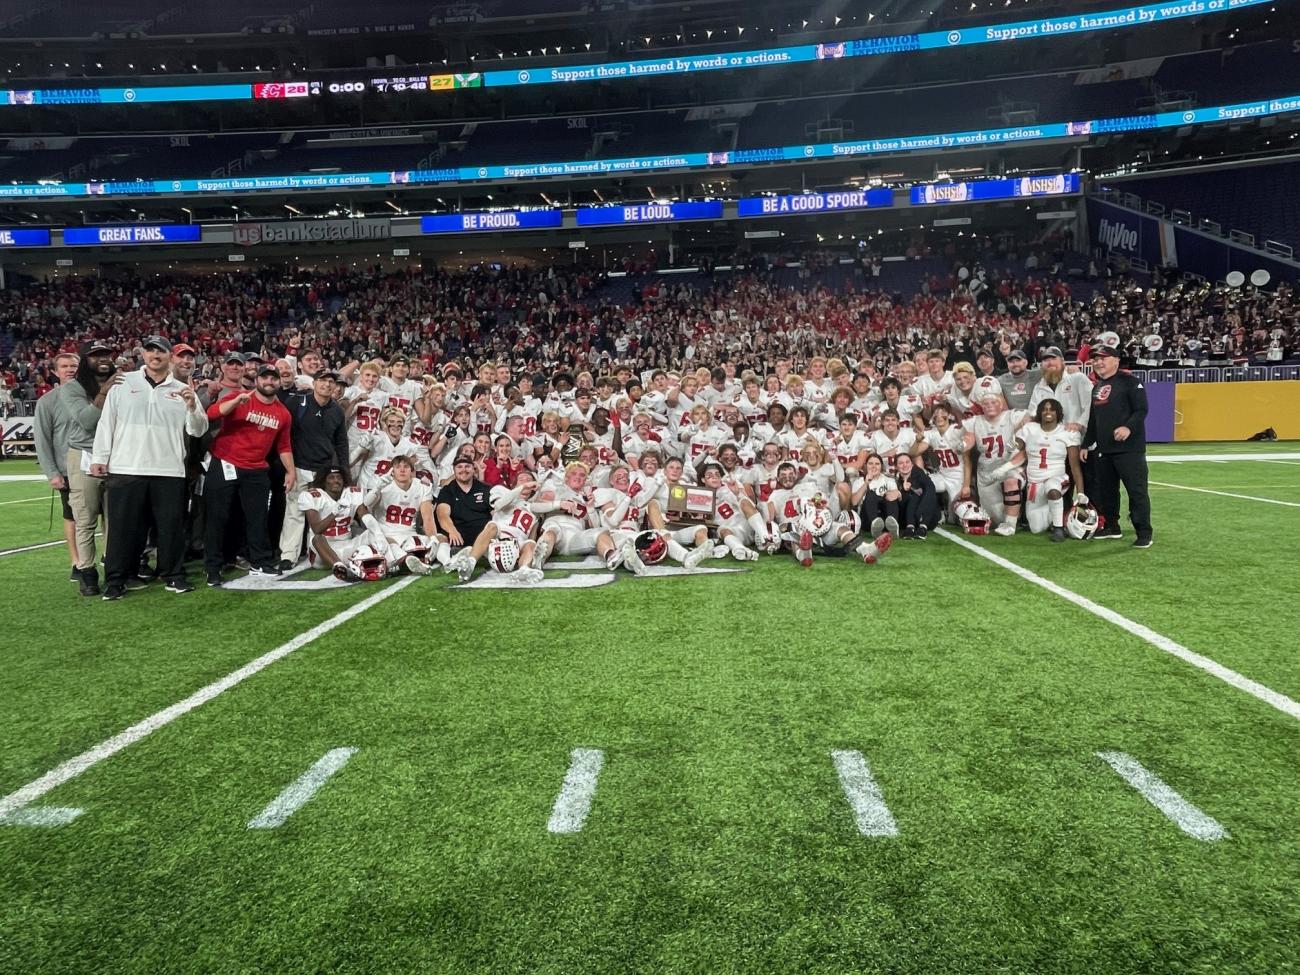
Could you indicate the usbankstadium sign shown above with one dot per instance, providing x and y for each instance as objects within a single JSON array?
[{"x": 311, "y": 231}]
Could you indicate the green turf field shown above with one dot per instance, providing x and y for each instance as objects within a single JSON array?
[{"x": 720, "y": 837}]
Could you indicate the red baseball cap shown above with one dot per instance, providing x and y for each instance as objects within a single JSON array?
[{"x": 181, "y": 348}]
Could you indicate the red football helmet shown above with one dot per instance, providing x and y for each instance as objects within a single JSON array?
[{"x": 651, "y": 547}]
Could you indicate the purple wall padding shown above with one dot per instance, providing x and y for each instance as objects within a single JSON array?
[{"x": 1160, "y": 412}]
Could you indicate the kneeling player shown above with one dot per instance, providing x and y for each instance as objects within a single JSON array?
[
  {"x": 1050, "y": 450},
  {"x": 402, "y": 501}
]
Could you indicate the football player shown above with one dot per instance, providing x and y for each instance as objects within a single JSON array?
[
  {"x": 677, "y": 538},
  {"x": 950, "y": 445},
  {"x": 735, "y": 517},
  {"x": 363, "y": 404},
  {"x": 567, "y": 528},
  {"x": 375, "y": 453},
  {"x": 330, "y": 505},
  {"x": 1052, "y": 459},
  {"x": 893, "y": 439},
  {"x": 998, "y": 467},
  {"x": 402, "y": 391},
  {"x": 406, "y": 505},
  {"x": 511, "y": 529}
]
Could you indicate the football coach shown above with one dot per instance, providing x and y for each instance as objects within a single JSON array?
[{"x": 1117, "y": 426}]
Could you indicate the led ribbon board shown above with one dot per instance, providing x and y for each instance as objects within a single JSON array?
[
  {"x": 1063, "y": 26},
  {"x": 771, "y": 206},
  {"x": 1263, "y": 108},
  {"x": 184, "y": 233},
  {"x": 454, "y": 223},
  {"x": 649, "y": 213},
  {"x": 995, "y": 189},
  {"x": 24, "y": 238}
]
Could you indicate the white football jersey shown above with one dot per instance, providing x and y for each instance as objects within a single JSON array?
[
  {"x": 726, "y": 508},
  {"x": 1047, "y": 452},
  {"x": 516, "y": 519},
  {"x": 995, "y": 441},
  {"x": 948, "y": 448},
  {"x": 632, "y": 518},
  {"x": 365, "y": 417},
  {"x": 889, "y": 449},
  {"x": 752, "y": 412},
  {"x": 927, "y": 386},
  {"x": 579, "y": 520},
  {"x": 788, "y": 503},
  {"x": 381, "y": 451},
  {"x": 399, "y": 510},
  {"x": 847, "y": 451},
  {"x": 403, "y": 394},
  {"x": 342, "y": 509}
]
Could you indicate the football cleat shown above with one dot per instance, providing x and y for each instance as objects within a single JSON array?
[
  {"x": 1058, "y": 533},
  {"x": 1006, "y": 529},
  {"x": 697, "y": 555},
  {"x": 464, "y": 564},
  {"x": 541, "y": 553},
  {"x": 871, "y": 551},
  {"x": 416, "y": 567},
  {"x": 632, "y": 560},
  {"x": 743, "y": 554},
  {"x": 877, "y": 527},
  {"x": 343, "y": 573}
]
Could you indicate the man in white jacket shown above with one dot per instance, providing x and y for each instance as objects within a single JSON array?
[{"x": 140, "y": 447}]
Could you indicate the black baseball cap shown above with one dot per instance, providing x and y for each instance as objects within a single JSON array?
[
  {"x": 269, "y": 370},
  {"x": 253, "y": 357},
  {"x": 235, "y": 357},
  {"x": 463, "y": 459},
  {"x": 157, "y": 342},
  {"x": 326, "y": 374},
  {"x": 399, "y": 358},
  {"x": 1102, "y": 352},
  {"x": 1048, "y": 352},
  {"x": 1017, "y": 354},
  {"x": 96, "y": 347}
]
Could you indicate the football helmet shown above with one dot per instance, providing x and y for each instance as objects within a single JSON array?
[
  {"x": 974, "y": 520},
  {"x": 650, "y": 547},
  {"x": 368, "y": 564},
  {"x": 1082, "y": 521},
  {"x": 816, "y": 520},
  {"x": 851, "y": 521},
  {"x": 503, "y": 554},
  {"x": 415, "y": 545}
]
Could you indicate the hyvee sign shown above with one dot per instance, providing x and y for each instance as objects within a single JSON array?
[{"x": 311, "y": 231}]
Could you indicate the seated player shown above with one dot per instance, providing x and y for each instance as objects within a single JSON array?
[
  {"x": 802, "y": 514},
  {"x": 507, "y": 540},
  {"x": 735, "y": 517},
  {"x": 621, "y": 515},
  {"x": 403, "y": 502},
  {"x": 998, "y": 468},
  {"x": 567, "y": 528},
  {"x": 330, "y": 505},
  {"x": 1051, "y": 460},
  {"x": 677, "y": 538}
]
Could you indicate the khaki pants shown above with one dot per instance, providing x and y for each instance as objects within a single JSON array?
[
  {"x": 295, "y": 521},
  {"x": 86, "y": 497}
]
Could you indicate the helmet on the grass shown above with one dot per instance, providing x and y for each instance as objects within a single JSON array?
[
  {"x": 650, "y": 547},
  {"x": 503, "y": 554},
  {"x": 974, "y": 519},
  {"x": 1082, "y": 522},
  {"x": 369, "y": 564}
]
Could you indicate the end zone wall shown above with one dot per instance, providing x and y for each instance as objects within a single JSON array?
[{"x": 1234, "y": 411}]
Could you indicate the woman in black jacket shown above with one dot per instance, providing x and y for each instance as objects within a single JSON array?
[{"x": 920, "y": 503}]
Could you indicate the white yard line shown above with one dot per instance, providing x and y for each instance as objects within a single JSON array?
[
  {"x": 1222, "y": 458},
  {"x": 1288, "y": 463},
  {"x": 1266, "y": 694},
  {"x": 300, "y": 792},
  {"x": 1153, "y": 789},
  {"x": 872, "y": 816},
  {"x": 574, "y": 801},
  {"x": 43, "y": 497},
  {"x": 106, "y": 749},
  {"x": 46, "y": 816},
  {"x": 30, "y": 548},
  {"x": 1227, "y": 494},
  {"x": 11, "y": 478}
]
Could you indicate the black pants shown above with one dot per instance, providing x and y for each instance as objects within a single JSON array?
[
  {"x": 874, "y": 506},
  {"x": 1131, "y": 469},
  {"x": 250, "y": 490},
  {"x": 135, "y": 504},
  {"x": 921, "y": 508}
]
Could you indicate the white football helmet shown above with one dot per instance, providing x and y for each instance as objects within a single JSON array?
[
  {"x": 816, "y": 520},
  {"x": 850, "y": 520},
  {"x": 1082, "y": 522},
  {"x": 415, "y": 545},
  {"x": 503, "y": 554},
  {"x": 974, "y": 520},
  {"x": 368, "y": 563}
]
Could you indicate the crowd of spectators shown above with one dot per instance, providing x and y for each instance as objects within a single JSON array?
[{"x": 543, "y": 318}]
